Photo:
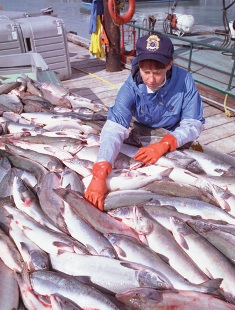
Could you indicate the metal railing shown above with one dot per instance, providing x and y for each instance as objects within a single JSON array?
[{"x": 192, "y": 44}]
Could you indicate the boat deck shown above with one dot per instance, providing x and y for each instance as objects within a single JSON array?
[{"x": 91, "y": 80}]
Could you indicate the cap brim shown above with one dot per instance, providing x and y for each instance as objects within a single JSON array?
[{"x": 153, "y": 56}]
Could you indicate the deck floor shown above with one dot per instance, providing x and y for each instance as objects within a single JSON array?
[{"x": 91, "y": 80}]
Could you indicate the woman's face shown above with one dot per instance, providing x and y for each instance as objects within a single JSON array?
[{"x": 153, "y": 76}]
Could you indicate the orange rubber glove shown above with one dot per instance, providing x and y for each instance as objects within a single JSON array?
[
  {"x": 151, "y": 153},
  {"x": 97, "y": 188}
]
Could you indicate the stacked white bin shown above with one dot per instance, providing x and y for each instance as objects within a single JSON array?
[
  {"x": 43, "y": 34},
  {"x": 11, "y": 41}
]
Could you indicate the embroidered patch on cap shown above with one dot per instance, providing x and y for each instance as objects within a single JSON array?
[{"x": 152, "y": 43}]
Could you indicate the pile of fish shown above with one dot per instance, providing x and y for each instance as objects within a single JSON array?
[{"x": 165, "y": 240}]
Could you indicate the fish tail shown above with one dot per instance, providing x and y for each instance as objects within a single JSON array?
[{"x": 212, "y": 287}]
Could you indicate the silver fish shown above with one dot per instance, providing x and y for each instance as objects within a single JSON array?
[
  {"x": 33, "y": 256},
  {"x": 56, "y": 242},
  {"x": 129, "y": 249},
  {"x": 25, "y": 164},
  {"x": 5, "y": 166},
  {"x": 224, "y": 198},
  {"x": 176, "y": 189},
  {"x": 43, "y": 148},
  {"x": 211, "y": 260},
  {"x": 160, "y": 240},
  {"x": 86, "y": 115},
  {"x": 9, "y": 253},
  {"x": 57, "y": 125},
  {"x": 6, "y": 185},
  {"x": 13, "y": 127},
  {"x": 15, "y": 117},
  {"x": 5, "y": 88},
  {"x": 127, "y": 197},
  {"x": 50, "y": 162},
  {"x": 112, "y": 275},
  {"x": 51, "y": 204},
  {"x": 9, "y": 292},
  {"x": 28, "y": 178},
  {"x": 222, "y": 240},
  {"x": 150, "y": 299},
  {"x": 45, "y": 118},
  {"x": 80, "y": 230},
  {"x": 193, "y": 207},
  {"x": 56, "y": 94},
  {"x": 71, "y": 180},
  {"x": 59, "y": 302},
  {"x": 9, "y": 102},
  {"x": 78, "y": 102},
  {"x": 30, "y": 299},
  {"x": 72, "y": 145},
  {"x": 4, "y": 215},
  {"x": 26, "y": 201},
  {"x": 32, "y": 88},
  {"x": 82, "y": 166},
  {"x": 131, "y": 179},
  {"x": 85, "y": 296},
  {"x": 210, "y": 164},
  {"x": 99, "y": 220},
  {"x": 36, "y": 100}
]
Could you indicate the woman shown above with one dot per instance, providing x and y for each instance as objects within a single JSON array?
[{"x": 158, "y": 94}]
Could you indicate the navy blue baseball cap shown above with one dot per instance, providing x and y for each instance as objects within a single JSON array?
[{"x": 156, "y": 47}]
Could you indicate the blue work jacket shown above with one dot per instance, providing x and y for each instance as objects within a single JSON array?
[{"x": 177, "y": 100}]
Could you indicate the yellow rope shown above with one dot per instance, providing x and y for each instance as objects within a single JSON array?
[
  {"x": 97, "y": 77},
  {"x": 227, "y": 112}
]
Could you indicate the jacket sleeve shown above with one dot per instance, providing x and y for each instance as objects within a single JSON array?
[
  {"x": 111, "y": 140},
  {"x": 192, "y": 120},
  {"x": 187, "y": 131}
]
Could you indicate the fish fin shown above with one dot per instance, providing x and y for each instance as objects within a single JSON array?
[
  {"x": 45, "y": 300},
  {"x": 196, "y": 217},
  {"x": 91, "y": 249},
  {"x": 49, "y": 149},
  {"x": 120, "y": 252},
  {"x": 130, "y": 265},
  {"x": 166, "y": 172},
  {"x": 220, "y": 171},
  {"x": 68, "y": 186},
  {"x": 60, "y": 245},
  {"x": 24, "y": 247},
  {"x": 164, "y": 258},
  {"x": 143, "y": 239},
  {"x": 60, "y": 251},
  {"x": 9, "y": 216},
  {"x": 196, "y": 198},
  {"x": 171, "y": 208},
  {"x": 180, "y": 239},
  {"x": 23, "y": 276},
  {"x": 26, "y": 228},
  {"x": 223, "y": 204}
]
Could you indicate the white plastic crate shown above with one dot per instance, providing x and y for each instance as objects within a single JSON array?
[
  {"x": 47, "y": 35},
  {"x": 43, "y": 34},
  {"x": 11, "y": 42}
]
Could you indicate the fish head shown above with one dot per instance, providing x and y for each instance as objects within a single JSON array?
[
  {"x": 140, "y": 298},
  {"x": 151, "y": 278},
  {"x": 39, "y": 260},
  {"x": 179, "y": 229},
  {"x": 123, "y": 214},
  {"x": 142, "y": 221}
]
